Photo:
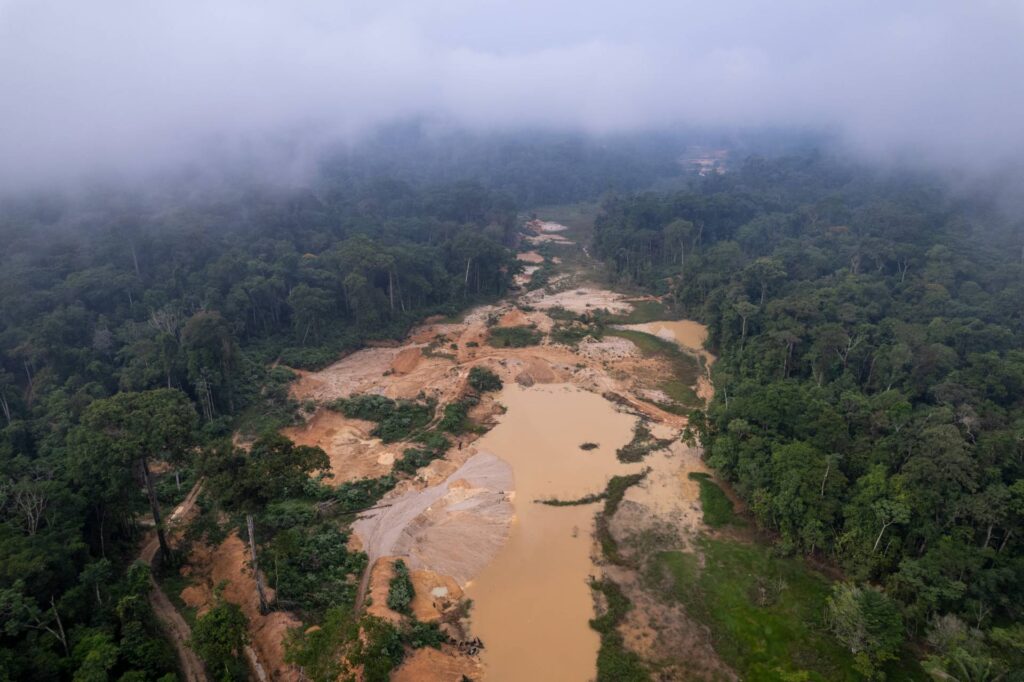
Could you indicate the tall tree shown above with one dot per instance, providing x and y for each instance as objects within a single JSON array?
[
  {"x": 130, "y": 430},
  {"x": 273, "y": 469}
]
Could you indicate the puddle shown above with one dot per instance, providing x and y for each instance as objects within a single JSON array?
[{"x": 532, "y": 604}]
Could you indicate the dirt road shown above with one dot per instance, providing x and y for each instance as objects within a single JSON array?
[{"x": 171, "y": 622}]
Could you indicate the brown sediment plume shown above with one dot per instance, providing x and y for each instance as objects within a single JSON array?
[{"x": 534, "y": 596}]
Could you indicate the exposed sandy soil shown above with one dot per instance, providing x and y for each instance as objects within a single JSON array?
[
  {"x": 530, "y": 257},
  {"x": 549, "y": 239},
  {"x": 353, "y": 452},
  {"x": 526, "y": 276},
  {"x": 406, "y": 360},
  {"x": 453, "y": 528},
  {"x": 581, "y": 300},
  {"x": 431, "y": 665},
  {"x": 542, "y": 226},
  {"x": 208, "y": 567}
]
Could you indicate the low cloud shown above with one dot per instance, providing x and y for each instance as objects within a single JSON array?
[{"x": 131, "y": 86}]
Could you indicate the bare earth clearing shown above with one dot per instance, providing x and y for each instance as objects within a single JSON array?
[{"x": 469, "y": 523}]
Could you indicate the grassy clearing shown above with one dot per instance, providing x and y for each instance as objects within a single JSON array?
[
  {"x": 716, "y": 506},
  {"x": 685, "y": 368},
  {"x": 764, "y": 612}
]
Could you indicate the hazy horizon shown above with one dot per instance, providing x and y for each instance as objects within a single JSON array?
[{"x": 117, "y": 87}]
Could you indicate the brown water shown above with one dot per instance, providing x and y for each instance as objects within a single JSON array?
[
  {"x": 684, "y": 332},
  {"x": 531, "y": 605}
]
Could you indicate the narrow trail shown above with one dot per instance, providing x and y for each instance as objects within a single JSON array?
[{"x": 171, "y": 622}]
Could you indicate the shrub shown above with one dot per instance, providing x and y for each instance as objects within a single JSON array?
[
  {"x": 396, "y": 420},
  {"x": 483, "y": 380},
  {"x": 400, "y": 590},
  {"x": 419, "y": 635},
  {"x": 456, "y": 417},
  {"x": 219, "y": 637},
  {"x": 514, "y": 337}
]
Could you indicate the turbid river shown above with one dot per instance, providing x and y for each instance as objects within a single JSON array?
[{"x": 532, "y": 604}]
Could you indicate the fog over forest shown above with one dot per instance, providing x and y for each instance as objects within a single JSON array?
[
  {"x": 128, "y": 87},
  {"x": 503, "y": 340}
]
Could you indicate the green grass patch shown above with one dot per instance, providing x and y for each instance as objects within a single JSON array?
[
  {"x": 514, "y": 337},
  {"x": 764, "y": 612},
  {"x": 642, "y": 444},
  {"x": 615, "y": 663},
  {"x": 716, "y": 506}
]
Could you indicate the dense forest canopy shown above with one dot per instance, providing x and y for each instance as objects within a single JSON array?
[
  {"x": 196, "y": 299},
  {"x": 869, "y": 386},
  {"x": 870, "y": 389},
  {"x": 140, "y": 324}
]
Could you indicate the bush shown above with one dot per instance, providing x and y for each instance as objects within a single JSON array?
[
  {"x": 400, "y": 590},
  {"x": 362, "y": 493},
  {"x": 381, "y": 650},
  {"x": 456, "y": 417},
  {"x": 483, "y": 380},
  {"x": 313, "y": 568},
  {"x": 419, "y": 635},
  {"x": 219, "y": 636},
  {"x": 396, "y": 420},
  {"x": 514, "y": 337}
]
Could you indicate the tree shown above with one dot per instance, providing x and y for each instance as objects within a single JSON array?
[
  {"x": 273, "y": 469},
  {"x": 211, "y": 354},
  {"x": 219, "y": 637},
  {"x": 867, "y": 622},
  {"x": 130, "y": 429},
  {"x": 483, "y": 380}
]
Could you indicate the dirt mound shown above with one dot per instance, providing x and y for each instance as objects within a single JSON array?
[
  {"x": 530, "y": 257},
  {"x": 513, "y": 318},
  {"x": 229, "y": 562},
  {"x": 380, "y": 577},
  {"x": 536, "y": 370},
  {"x": 433, "y": 665},
  {"x": 353, "y": 453},
  {"x": 435, "y": 594},
  {"x": 610, "y": 348},
  {"x": 406, "y": 361},
  {"x": 452, "y": 530},
  {"x": 355, "y": 373}
]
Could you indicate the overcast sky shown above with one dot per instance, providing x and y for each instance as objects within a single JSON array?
[{"x": 134, "y": 84}]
